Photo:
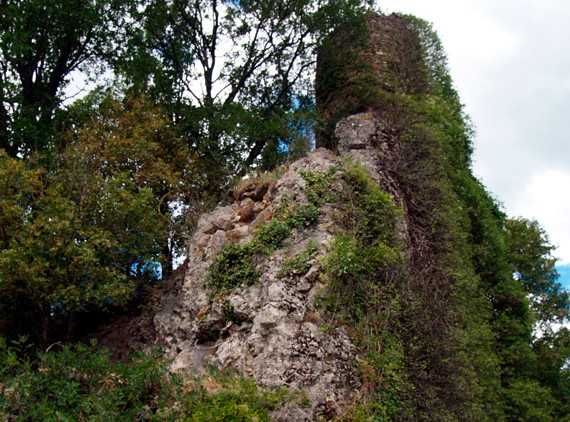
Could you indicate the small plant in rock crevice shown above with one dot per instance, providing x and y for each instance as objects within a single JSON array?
[
  {"x": 233, "y": 266},
  {"x": 300, "y": 264},
  {"x": 255, "y": 180},
  {"x": 231, "y": 314},
  {"x": 319, "y": 187}
]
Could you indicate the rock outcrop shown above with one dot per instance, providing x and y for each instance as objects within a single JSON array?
[{"x": 271, "y": 330}]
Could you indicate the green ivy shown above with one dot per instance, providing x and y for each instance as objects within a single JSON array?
[
  {"x": 363, "y": 260},
  {"x": 235, "y": 265},
  {"x": 319, "y": 187}
]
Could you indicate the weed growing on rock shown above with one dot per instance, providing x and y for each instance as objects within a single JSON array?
[
  {"x": 252, "y": 183},
  {"x": 231, "y": 314},
  {"x": 235, "y": 265},
  {"x": 360, "y": 270},
  {"x": 225, "y": 396},
  {"x": 320, "y": 186},
  {"x": 300, "y": 264}
]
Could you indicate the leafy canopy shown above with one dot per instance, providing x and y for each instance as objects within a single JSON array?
[{"x": 42, "y": 43}]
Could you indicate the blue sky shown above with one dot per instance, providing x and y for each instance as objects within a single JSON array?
[{"x": 564, "y": 271}]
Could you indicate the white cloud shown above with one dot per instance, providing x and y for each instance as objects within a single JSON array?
[
  {"x": 464, "y": 27},
  {"x": 545, "y": 198}
]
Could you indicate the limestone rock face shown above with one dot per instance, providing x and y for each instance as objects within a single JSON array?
[{"x": 271, "y": 330}]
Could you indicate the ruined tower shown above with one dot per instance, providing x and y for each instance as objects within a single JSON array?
[{"x": 359, "y": 67}]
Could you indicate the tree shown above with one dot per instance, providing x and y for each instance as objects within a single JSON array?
[
  {"x": 232, "y": 71},
  {"x": 530, "y": 253},
  {"x": 72, "y": 247},
  {"x": 41, "y": 44},
  {"x": 95, "y": 229},
  {"x": 135, "y": 137}
]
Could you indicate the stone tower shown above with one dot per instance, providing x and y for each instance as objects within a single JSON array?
[{"x": 359, "y": 67}]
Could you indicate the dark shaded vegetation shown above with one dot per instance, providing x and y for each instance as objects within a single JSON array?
[{"x": 81, "y": 383}]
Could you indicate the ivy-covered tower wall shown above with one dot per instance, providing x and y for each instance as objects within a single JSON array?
[
  {"x": 390, "y": 72},
  {"x": 359, "y": 67}
]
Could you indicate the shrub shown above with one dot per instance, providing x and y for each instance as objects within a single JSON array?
[
  {"x": 80, "y": 383},
  {"x": 233, "y": 266}
]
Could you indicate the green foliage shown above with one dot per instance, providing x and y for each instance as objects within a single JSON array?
[
  {"x": 527, "y": 400},
  {"x": 91, "y": 230},
  {"x": 271, "y": 235},
  {"x": 457, "y": 325},
  {"x": 461, "y": 266},
  {"x": 530, "y": 252},
  {"x": 300, "y": 264},
  {"x": 290, "y": 215},
  {"x": 434, "y": 59},
  {"x": 352, "y": 258},
  {"x": 336, "y": 69},
  {"x": 42, "y": 43},
  {"x": 234, "y": 399},
  {"x": 443, "y": 301},
  {"x": 360, "y": 271},
  {"x": 134, "y": 136},
  {"x": 319, "y": 187},
  {"x": 235, "y": 265},
  {"x": 58, "y": 261},
  {"x": 252, "y": 106},
  {"x": 112, "y": 172},
  {"x": 552, "y": 351},
  {"x": 81, "y": 383},
  {"x": 370, "y": 213}
]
